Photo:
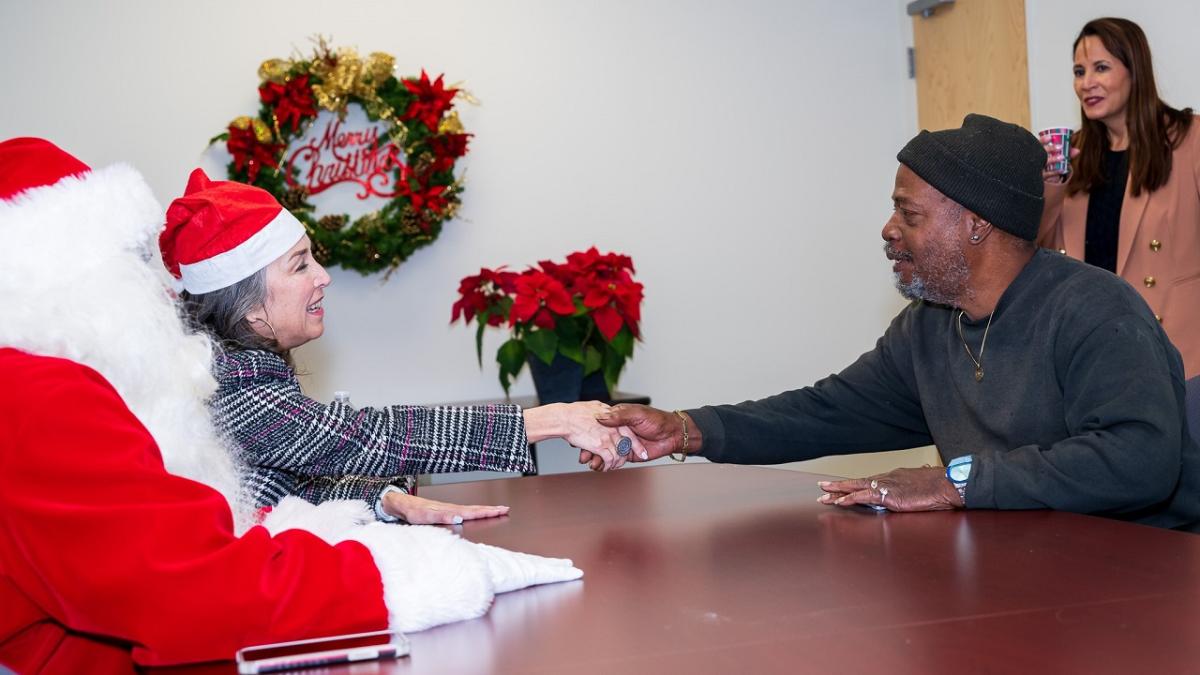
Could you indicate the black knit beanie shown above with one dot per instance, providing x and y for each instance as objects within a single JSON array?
[{"x": 991, "y": 167}]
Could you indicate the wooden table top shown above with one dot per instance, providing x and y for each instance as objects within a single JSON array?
[
  {"x": 710, "y": 568},
  {"x": 702, "y": 568}
]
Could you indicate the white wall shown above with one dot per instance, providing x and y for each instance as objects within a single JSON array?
[
  {"x": 1051, "y": 27},
  {"x": 742, "y": 153}
]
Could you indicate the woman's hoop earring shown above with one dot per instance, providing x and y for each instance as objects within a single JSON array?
[{"x": 269, "y": 327}]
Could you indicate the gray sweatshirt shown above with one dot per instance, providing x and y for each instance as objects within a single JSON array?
[{"x": 1081, "y": 407}]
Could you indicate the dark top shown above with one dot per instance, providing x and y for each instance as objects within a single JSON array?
[
  {"x": 1104, "y": 212},
  {"x": 1081, "y": 407}
]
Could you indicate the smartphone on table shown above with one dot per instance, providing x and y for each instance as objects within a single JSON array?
[{"x": 323, "y": 651}]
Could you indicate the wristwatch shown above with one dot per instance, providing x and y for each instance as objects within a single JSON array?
[
  {"x": 380, "y": 513},
  {"x": 957, "y": 472}
]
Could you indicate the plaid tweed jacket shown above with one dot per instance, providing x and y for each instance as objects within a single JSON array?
[{"x": 293, "y": 445}]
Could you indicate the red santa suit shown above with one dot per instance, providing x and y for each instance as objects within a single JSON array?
[{"x": 109, "y": 560}]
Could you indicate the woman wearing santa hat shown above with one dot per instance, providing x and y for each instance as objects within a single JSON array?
[
  {"x": 122, "y": 541},
  {"x": 249, "y": 278}
]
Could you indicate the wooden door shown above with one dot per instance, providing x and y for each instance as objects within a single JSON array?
[{"x": 970, "y": 56}]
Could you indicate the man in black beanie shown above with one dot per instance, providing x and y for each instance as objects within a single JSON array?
[{"x": 1044, "y": 382}]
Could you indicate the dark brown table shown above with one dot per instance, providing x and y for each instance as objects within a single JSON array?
[{"x": 703, "y": 568}]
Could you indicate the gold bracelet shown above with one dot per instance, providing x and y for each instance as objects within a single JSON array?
[{"x": 682, "y": 451}]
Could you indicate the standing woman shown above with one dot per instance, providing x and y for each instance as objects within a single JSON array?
[
  {"x": 1131, "y": 203},
  {"x": 249, "y": 278}
]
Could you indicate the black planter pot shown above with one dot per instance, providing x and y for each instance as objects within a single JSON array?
[{"x": 563, "y": 382}]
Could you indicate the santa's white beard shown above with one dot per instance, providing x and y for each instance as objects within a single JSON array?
[{"x": 80, "y": 279}]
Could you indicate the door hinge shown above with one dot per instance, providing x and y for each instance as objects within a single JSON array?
[
  {"x": 926, "y": 8},
  {"x": 912, "y": 63}
]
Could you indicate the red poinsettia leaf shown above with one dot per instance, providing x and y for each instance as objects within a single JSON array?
[
  {"x": 597, "y": 296},
  {"x": 506, "y": 281},
  {"x": 560, "y": 301},
  {"x": 544, "y": 319},
  {"x": 523, "y": 309},
  {"x": 607, "y": 321},
  {"x": 629, "y": 300},
  {"x": 584, "y": 260}
]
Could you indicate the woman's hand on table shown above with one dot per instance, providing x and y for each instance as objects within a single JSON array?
[{"x": 420, "y": 511}]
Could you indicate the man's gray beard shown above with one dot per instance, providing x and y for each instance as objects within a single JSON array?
[{"x": 954, "y": 275}]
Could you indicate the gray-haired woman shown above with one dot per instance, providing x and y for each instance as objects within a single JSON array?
[{"x": 249, "y": 278}]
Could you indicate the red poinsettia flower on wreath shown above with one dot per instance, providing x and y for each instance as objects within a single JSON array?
[
  {"x": 431, "y": 99},
  {"x": 446, "y": 149},
  {"x": 251, "y": 147},
  {"x": 292, "y": 101},
  {"x": 421, "y": 194}
]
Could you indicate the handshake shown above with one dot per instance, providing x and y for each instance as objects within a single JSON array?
[{"x": 608, "y": 436}]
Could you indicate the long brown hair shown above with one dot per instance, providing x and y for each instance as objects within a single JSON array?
[{"x": 1155, "y": 128}]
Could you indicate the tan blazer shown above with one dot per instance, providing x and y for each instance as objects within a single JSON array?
[{"x": 1158, "y": 248}]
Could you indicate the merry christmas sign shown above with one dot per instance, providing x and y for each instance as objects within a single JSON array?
[{"x": 364, "y": 159}]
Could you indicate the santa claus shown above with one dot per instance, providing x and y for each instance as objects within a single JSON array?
[{"x": 123, "y": 539}]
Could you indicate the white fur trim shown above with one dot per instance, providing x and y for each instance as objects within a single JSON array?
[
  {"x": 248, "y": 257},
  {"x": 513, "y": 570},
  {"x": 330, "y": 520},
  {"x": 430, "y": 576},
  {"x": 80, "y": 279}
]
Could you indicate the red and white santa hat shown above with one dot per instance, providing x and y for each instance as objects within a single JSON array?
[
  {"x": 220, "y": 232},
  {"x": 28, "y": 163},
  {"x": 46, "y": 192}
]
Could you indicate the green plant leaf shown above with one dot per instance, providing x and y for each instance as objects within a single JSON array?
[
  {"x": 622, "y": 343},
  {"x": 479, "y": 339},
  {"x": 592, "y": 360},
  {"x": 571, "y": 351},
  {"x": 543, "y": 344},
  {"x": 612, "y": 369},
  {"x": 570, "y": 339},
  {"x": 569, "y": 329},
  {"x": 511, "y": 358}
]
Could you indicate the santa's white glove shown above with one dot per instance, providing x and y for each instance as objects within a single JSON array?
[
  {"x": 510, "y": 570},
  {"x": 430, "y": 576}
]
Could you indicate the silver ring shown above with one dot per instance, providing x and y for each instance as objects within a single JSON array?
[
  {"x": 874, "y": 484},
  {"x": 883, "y": 493},
  {"x": 625, "y": 446}
]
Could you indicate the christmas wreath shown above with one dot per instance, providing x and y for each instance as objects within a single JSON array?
[{"x": 409, "y": 158}]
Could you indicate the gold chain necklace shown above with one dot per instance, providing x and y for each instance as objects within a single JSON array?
[{"x": 983, "y": 345}]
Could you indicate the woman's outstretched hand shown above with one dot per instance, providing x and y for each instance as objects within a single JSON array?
[
  {"x": 420, "y": 511},
  {"x": 577, "y": 424}
]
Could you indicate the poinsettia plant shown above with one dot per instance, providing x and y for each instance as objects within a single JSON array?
[{"x": 587, "y": 309}]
